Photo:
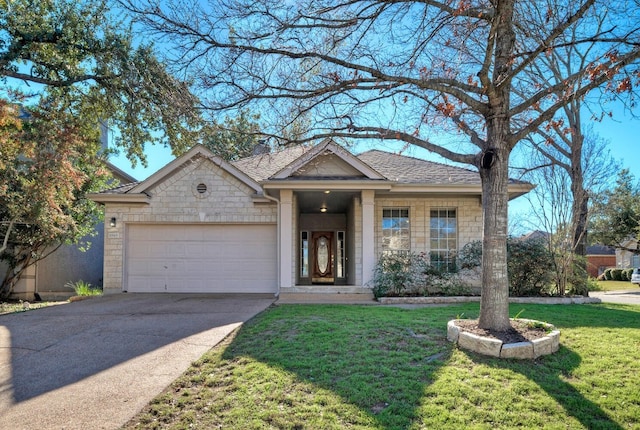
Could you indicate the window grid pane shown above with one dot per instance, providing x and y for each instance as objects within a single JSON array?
[
  {"x": 444, "y": 238},
  {"x": 395, "y": 230}
]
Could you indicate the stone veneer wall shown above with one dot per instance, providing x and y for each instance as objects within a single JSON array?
[
  {"x": 176, "y": 200},
  {"x": 468, "y": 212}
]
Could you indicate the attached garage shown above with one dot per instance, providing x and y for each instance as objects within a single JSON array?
[{"x": 201, "y": 258}]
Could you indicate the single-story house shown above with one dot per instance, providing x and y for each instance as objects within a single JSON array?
[
  {"x": 600, "y": 258},
  {"x": 306, "y": 218}
]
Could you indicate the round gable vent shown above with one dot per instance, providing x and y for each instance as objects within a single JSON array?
[{"x": 200, "y": 188}]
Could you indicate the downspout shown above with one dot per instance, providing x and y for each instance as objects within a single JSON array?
[{"x": 278, "y": 244}]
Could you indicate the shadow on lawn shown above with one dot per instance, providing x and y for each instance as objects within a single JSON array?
[
  {"x": 549, "y": 374},
  {"x": 382, "y": 366},
  {"x": 383, "y": 361}
]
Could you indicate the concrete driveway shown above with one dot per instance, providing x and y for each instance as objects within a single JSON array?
[{"x": 94, "y": 364}]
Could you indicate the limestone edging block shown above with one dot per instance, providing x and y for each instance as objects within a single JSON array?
[
  {"x": 495, "y": 347},
  {"x": 481, "y": 345}
]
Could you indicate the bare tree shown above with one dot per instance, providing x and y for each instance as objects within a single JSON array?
[
  {"x": 395, "y": 70},
  {"x": 560, "y": 202},
  {"x": 578, "y": 153}
]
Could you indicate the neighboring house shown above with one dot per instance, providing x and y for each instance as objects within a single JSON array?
[
  {"x": 305, "y": 218},
  {"x": 627, "y": 259},
  {"x": 537, "y": 235},
  {"x": 600, "y": 258},
  {"x": 48, "y": 276}
]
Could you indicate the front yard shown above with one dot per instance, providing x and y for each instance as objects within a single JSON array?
[{"x": 371, "y": 367}]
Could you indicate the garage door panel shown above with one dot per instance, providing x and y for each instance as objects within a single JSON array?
[{"x": 197, "y": 258}]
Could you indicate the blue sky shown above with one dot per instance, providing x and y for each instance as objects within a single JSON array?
[{"x": 622, "y": 132}]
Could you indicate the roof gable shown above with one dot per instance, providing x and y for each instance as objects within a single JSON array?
[
  {"x": 327, "y": 160},
  {"x": 194, "y": 153}
]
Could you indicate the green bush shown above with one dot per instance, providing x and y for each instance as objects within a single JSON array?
[
  {"x": 607, "y": 274},
  {"x": 528, "y": 265},
  {"x": 83, "y": 288},
  {"x": 400, "y": 274},
  {"x": 411, "y": 275},
  {"x": 626, "y": 274},
  {"x": 616, "y": 274},
  {"x": 592, "y": 284}
]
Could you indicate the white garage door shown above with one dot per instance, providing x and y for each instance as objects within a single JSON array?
[{"x": 201, "y": 258}]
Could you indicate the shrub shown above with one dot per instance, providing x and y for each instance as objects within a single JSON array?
[
  {"x": 83, "y": 288},
  {"x": 410, "y": 275},
  {"x": 399, "y": 274},
  {"x": 592, "y": 284},
  {"x": 528, "y": 264},
  {"x": 616, "y": 274},
  {"x": 601, "y": 277},
  {"x": 626, "y": 274},
  {"x": 607, "y": 274}
]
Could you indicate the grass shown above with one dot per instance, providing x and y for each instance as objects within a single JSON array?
[
  {"x": 84, "y": 289},
  {"x": 374, "y": 367},
  {"x": 617, "y": 285}
]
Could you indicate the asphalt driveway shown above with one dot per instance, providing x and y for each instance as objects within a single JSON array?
[{"x": 94, "y": 364}]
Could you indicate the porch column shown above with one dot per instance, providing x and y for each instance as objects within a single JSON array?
[
  {"x": 368, "y": 232},
  {"x": 286, "y": 237}
]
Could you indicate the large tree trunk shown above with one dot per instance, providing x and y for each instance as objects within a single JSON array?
[{"x": 494, "y": 302}]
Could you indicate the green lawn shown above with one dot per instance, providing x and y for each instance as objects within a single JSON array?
[
  {"x": 617, "y": 285},
  {"x": 374, "y": 367}
]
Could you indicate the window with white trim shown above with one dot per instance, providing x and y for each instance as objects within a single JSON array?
[
  {"x": 395, "y": 230},
  {"x": 444, "y": 239}
]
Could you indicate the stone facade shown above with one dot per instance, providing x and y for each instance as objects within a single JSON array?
[
  {"x": 177, "y": 200},
  {"x": 288, "y": 189}
]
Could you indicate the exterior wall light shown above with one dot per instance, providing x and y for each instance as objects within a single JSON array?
[{"x": 112, "y": 222}]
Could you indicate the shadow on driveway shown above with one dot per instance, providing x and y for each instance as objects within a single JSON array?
[{"x": 95, "y": 363}]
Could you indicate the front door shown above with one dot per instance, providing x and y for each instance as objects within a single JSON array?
[{"x": 323, "y": 252}]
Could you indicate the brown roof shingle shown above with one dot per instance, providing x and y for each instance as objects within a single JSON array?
[{"x": 409, "y": 170}]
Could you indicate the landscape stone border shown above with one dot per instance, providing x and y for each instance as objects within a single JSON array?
[
  {"x": 578, "y": 300},
  {"x": 496, "y": 348}
]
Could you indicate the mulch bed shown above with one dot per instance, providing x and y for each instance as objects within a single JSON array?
[{"x": 520, "y": 331}]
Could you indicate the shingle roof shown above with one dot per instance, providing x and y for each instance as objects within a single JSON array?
[
  {"x": 410, "y": 170},
  {"x": 600, "y": 250},
  {"x": 121, "y": 189},
  {"x": 263, "y": 166},
  {"x": 398, "y": 168}
]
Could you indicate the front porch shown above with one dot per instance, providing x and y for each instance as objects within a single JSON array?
[{"x": 327, "y": 240}]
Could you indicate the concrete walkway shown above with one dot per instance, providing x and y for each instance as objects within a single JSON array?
[{"x": 95, "y": 364}]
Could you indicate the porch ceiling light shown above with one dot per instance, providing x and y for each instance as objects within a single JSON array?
[
  {"x": 323, "y": 209},
  {"x": 327, "y": 191}
]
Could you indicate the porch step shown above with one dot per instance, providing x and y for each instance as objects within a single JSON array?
[
  {"x": 327, "y": 289},
  {"x": 326, "y": 294}
]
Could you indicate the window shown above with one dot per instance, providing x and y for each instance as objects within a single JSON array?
[
  {"x": 340, "y": 257},
  {"x": 444, "y": 239},
  {"x": 304, "y": 254},
  {"x": 395, "y": 230},
  {"x": 635, "y": 260}
]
